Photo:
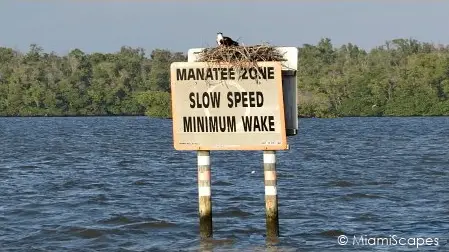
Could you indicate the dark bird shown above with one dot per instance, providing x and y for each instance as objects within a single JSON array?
[{"x": 225, "y": 41}]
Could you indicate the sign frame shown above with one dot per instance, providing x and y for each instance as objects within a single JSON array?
[{"x": 283, "y": 145}]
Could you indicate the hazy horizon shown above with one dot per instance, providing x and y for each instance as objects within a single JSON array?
[{"x": 101, "y": 26}]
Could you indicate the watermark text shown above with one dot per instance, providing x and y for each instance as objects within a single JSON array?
[{"x": 391, "y": 240}]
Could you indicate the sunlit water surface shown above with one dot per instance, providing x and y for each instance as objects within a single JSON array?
[{"x": 117, "y": 184}]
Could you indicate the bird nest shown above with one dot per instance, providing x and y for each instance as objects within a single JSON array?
[{"x": 240, "y": 56}]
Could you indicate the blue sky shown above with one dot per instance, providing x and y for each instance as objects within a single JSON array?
[{"x": 105, "y": 26}]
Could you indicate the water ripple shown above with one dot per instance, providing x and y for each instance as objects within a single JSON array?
[{"x": 117, "y": 184}]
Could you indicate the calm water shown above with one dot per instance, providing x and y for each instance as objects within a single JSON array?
[{"x": 116, "y": 184}]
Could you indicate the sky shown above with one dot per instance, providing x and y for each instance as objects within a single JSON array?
[{"x": 106, "y": 25}]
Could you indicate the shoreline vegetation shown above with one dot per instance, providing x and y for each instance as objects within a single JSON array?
[{"x": 403, "y": 77}]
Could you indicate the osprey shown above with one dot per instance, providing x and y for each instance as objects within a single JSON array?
[{"x": 226, "y": 41}]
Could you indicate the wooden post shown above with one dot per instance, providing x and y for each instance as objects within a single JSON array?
[
  {"x": 271, "y": 201},
  {"x": 204, "y": 194}
]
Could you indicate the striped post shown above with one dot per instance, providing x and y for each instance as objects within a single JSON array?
[
  {"x": 271, "y": 201},
  {"x": 204, "y": 194}
]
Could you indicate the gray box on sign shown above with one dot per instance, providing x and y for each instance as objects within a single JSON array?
[{"x": 289, "y": 85}]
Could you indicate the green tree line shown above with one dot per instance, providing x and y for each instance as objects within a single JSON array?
[
  {"x": 127, "y": 82},
  {"x": 403, "y": 77}
]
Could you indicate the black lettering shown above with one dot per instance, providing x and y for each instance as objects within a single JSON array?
[
  {"x": 192, "y": 99},
  {"x": 231, "y": 74},
  {"x": 216, "y": 73},
  {"x": 205, "y": 100},
  {"x": 264, "y": 123},
  {"x": 244, "y": 77},
  {"x": 222, "y": 123},
  {"x": 215, "y": 98},
  {"x": 209, "y": 75},
  {"x": 247, "y": 123},
  {"x": 187, "y": 123},
  {"x": 270, "y": 73},
  {"x": 271, "y": 123},
  {"x": 200, "y": 122},
  {"x": 237, "y": 98},
  {"x": 244, "y": 99},
  {"x": 231, "y": 124},
  {"x": 230, "y": 101},
  {"x": 224, "y": 74},
  {"x": 252, "y": 73},
  {"x": 226, "y": 123},
  {"x": 252, "y": 99},
  {"x": 213, "y": 124},
  {"x": 198, "y": 104},
  {"x": 256, "y": 123},
  {"x": 191, "y": 74},
  {"x": 181, "y": 74},
  {"x": 200, "y": 73},
  {"x": 263, "y": 72},
  {"x": 259, "y": 99}
]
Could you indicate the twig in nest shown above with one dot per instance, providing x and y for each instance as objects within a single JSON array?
[{"x": 241, "y": 57}]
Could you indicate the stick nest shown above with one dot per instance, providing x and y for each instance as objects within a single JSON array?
[{"x": 241, "y": 56}]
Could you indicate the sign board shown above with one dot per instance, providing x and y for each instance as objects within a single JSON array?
[
  {"x": 289, "y": 84},
  {"x": 221, "y": 107}
]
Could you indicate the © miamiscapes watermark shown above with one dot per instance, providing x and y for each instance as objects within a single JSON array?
[{"x": 391, "y": 240}]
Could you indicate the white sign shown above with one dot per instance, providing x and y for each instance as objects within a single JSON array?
[{"x": 219, "y": 107}]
